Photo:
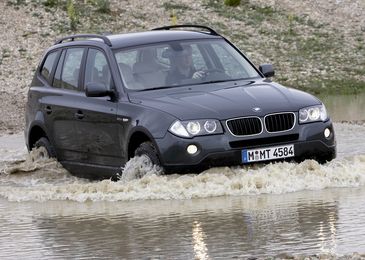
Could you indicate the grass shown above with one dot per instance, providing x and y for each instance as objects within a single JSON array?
[
  {"x": 16, "y": 2},
  {"x": 300, "y": 48},
  {"x": 334, "y": 86},
  {"x": 103, "y": 6},
  {"x": 170, "y": 5},
  {"x": 51, "y": 3},
  {"x": 247, "y": 12},
  {"x": 94, "y": 11},
  {"x": 308, "y": 55},
  {"x": 5, "y": 53}
]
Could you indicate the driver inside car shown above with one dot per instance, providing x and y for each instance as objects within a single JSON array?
[{"x": 182, "y": 66}]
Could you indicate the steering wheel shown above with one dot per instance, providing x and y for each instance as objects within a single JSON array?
[
  {"x": 210, "y": 74},
  {"x": 209, "y": 71}
]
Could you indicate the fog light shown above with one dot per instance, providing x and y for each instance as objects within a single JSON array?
[
  {"x": 327, "y": 133},
  {"x": 192, "y": 149}
]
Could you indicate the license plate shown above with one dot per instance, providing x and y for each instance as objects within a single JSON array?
[{"x": 268, "y": 153}]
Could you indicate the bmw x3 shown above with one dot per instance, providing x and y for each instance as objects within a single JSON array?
[{"x": 184, "y": 96}]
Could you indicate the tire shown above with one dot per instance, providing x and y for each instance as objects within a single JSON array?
[
  {"x": 43, "y": 142},
  {"x": 327, "y": 157},
  {"x": 148, "y": 149}
]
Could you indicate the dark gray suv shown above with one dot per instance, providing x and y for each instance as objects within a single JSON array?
[{"x": 184, "y": 96}]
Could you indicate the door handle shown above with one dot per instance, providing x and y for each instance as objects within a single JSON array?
[
  {"x": 48, "y": 110},
  {"x": 79, "y": 114}
]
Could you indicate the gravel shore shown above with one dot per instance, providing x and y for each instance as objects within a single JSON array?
[{"x": 305, "y": 40}]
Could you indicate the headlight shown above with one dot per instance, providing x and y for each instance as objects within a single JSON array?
[
  {"x": 178, "y": 129},
  {"x": 210, "y": 126},
  {"x": 193, "y": 127},
  {"x": 196, "y": 127},
  {"x": 313, "y": 114}
]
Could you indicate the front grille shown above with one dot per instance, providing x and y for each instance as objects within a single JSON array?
[
  {"x": 264, "y": 141},
  {"x": 245, "y": 126},
  {"x": 279, "y": 122}
]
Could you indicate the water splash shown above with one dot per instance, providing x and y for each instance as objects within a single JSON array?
[
  {"x": 137, "y": 167},
  {"x": 35, "y": 160},
  {"x": 275, "y": 178},
  {"x": 35, "y": 178}
]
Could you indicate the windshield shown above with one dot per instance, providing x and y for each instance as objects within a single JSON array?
[{"x": 180, "y": 63}]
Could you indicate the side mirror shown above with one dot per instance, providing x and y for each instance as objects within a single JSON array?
[
  {"x": 96, "y": 89},
  {"x": 267, "y": 70}
]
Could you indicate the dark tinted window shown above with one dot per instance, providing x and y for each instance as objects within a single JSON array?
[
  {"x": 71, "y": 68},
  {"x": 57, "y": 75},
  {"x": 46, "y": 70},
  {"x": 97, "y": 69}
]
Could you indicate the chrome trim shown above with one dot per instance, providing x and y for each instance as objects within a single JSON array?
[
  {"x": 295, "y": 119},
  {"x": 262, "y": 125}
]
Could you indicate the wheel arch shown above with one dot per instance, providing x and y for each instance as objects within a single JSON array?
[
  {"x": 35, "y": 133},
  {"x": 137, "y": 137}
]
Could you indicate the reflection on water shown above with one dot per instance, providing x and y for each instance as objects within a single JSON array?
[
  {"x": 345, "y": 107},
  {"x": 200, "y": 248},
  {"x": 327, "y": 221}
]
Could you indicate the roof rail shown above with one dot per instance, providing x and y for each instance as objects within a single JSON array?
[
  {"x": 211, "y": 31},
  {"x": 73, "y": 37}
]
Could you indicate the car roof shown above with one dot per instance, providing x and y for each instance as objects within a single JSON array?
[
  {"x": 126, "y": 40},
  {"x": 141, "y": 38}
]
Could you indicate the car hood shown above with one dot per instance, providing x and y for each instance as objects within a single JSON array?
[{"x": 219, "y": 101}]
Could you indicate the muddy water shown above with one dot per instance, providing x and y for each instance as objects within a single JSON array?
[
  {"x": 224, "y": 212},
  {"x": 345, "y": 107}
]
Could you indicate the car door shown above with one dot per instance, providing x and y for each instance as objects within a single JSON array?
[
  {"x": 60, "y": 102},
  {"x": 96, "y": 119}
]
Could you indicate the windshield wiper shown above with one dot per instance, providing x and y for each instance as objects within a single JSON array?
[
  {"x": 215, "y": 81},
  {"x": 156, "y": 88},
  {"x": 162, "y": 87}
]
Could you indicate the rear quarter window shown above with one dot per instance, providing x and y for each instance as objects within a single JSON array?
[{"x": 48, "y": 65}]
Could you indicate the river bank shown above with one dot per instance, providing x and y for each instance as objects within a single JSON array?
[{"x": 315, "y": 45}]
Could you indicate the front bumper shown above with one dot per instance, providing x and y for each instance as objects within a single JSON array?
[{"x": 226, "y": 149}]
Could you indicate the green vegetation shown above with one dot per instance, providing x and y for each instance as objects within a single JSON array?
[
  {"x": 334, "y": 86},
  {"x": 360, "y": 43},
  {"x": 232, "y": 2},
  {"x": 249, "y": 13},
  {"x": 171, "y": 5},
  {"x": 16, "y": 2},
  {"x": 307, "y": 54},
  {"x": 51, "y": 3},
  {"x": 103, "y": 6},
  {"x": 5, "y": 53},
  {"x": 175, "y": 10},
  {"x": 72, "y": 15}
]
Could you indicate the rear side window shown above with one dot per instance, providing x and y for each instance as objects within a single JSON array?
[
  {"x": 71, "y": 68},
  {"x": 57, "y": 83},
  {"x": 46, "y": 70}
]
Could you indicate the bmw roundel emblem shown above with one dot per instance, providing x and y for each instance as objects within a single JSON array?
[{"x": 256, "y": 109}]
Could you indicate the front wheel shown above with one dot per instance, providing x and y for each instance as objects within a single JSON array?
[
  {"x": 149, "y": 150},
  {"x": 45, "y": 147},
  {"x": 145, "y": 161},
  {"x": 327, "y": 157}
]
